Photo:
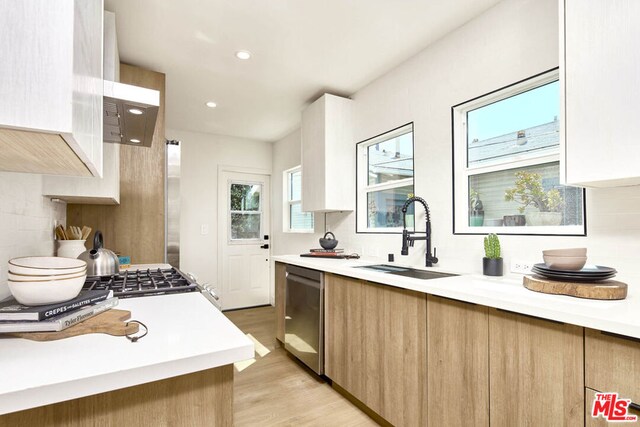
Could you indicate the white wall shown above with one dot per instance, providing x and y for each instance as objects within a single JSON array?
[
  {"x": 512, "y": 41},
  {"x": 201, "y": 154},
  {"x": 26, "y": 220},
  {"x": 286, "y": 155}
]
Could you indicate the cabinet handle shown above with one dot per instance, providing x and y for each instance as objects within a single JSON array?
[
  {"x": 530, "y": 316},
  {"x": 634, "y": 406},
  {"x": 623, "y": 337}
]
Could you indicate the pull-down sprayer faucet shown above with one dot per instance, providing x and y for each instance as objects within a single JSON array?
[{"x": 408, "y": 240}]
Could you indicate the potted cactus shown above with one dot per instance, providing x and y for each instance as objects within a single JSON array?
[{"x": 492, "y": 261}]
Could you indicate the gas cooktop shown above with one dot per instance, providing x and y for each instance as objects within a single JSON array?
[{"x": 138, "y": 283}]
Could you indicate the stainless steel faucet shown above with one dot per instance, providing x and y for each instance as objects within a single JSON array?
[{"x": 408, "y": 239}]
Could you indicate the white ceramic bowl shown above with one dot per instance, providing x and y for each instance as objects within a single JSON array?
[
  {"x": 42, "y": 292},
  {"x": 570, "y": 252},
  {"x": 565, "y": 262},
  {"x": 46, "y": 265},
  {"x": 30, "y": 277}
]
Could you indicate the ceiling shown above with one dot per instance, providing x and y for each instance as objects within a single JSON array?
[{"x": 300, "y": 48}]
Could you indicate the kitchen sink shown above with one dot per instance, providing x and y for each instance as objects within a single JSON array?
[{"x": 406, "y": 271}]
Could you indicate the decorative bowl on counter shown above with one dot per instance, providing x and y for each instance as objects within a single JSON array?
[
  {"x": 46, "y": 266},
  {"x": 45, "y": 290},
  {"x": 30, "y": 277},
  {"x": 565, "y": 262},
  {"x": 569, "y": 252}
]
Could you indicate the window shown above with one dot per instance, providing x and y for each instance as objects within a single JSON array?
[
  {"x": 506, "y": 150},
  {"x": 295, "y": 221},
  {"x": 385, "y": 181},
  {"x": 245, "y": 211}
]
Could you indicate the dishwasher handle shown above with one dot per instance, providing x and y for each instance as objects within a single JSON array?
[{"x": 294, "y": 278}]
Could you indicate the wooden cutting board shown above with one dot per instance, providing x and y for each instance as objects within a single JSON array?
[
  {"x": 604, "y": 290},
  {"x": 112, "y": 322}
]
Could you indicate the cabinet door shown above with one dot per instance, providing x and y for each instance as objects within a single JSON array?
[
  {"x": 375, "y": 347},
  {"x": 328, "y": 155},
  {"x": 612, "y": 364},
  {"x": 601, "y": 88},
  {"x": 458, "y": 354},
  {"x": 280, "y": 298},
  {"x": 536, "y": 371}
]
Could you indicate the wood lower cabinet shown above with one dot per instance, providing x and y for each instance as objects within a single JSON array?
[
  {"x": 536, "y": 371},
  {"x": 280, "y": 298},
  {"x": 375, "y": 347},
  {"x": 202, "y": 398},
  {"x": 458, "y": 358},
  {"x": 612, "y": 364}
]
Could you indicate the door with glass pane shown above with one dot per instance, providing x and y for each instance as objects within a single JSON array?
[{"x": 244, "y": 225}]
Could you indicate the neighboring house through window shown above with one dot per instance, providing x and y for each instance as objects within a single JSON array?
[
  {"x": 295, "y": 221},
  {"x": 506, "y": 149},
  {"x": 384, "y": 180}
]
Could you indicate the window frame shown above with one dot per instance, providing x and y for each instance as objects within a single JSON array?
[
  {"x": 286, "y": 212},
  {"x": 362, "y": 186},
  {"x": 461, "y": 171}
]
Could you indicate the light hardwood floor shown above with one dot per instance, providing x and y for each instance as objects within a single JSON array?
[{"x": 276, "y": 390}]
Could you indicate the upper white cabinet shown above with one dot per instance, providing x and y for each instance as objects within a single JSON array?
[
  {"x": 328, "y": 156},
  {"x": 51, "y": 86},
  {"x": 95, "y": 190},
  {"x": 600, "y": 73}
]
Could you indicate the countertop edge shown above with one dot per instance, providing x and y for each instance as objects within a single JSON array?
[{"x": 27, "y": 399}]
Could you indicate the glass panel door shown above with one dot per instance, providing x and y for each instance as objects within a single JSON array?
[{"x": 245, "y": 211}]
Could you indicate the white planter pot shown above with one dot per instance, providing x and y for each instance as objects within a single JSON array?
[
  {"x": 70, "y": 248},
  {"x": 543, "y": 218}
]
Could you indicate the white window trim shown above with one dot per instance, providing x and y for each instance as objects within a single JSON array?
[
  {"x": 286, "y": 208},
  {"x": 362, "y": 180},
  {"x": 461, "y": 171}
]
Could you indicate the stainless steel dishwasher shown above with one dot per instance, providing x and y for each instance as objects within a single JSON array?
[{"x": 304, "y": 316}]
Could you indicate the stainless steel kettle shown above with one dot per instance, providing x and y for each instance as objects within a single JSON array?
[{"x": 100, "y": 261}]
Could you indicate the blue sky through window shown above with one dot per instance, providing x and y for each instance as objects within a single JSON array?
[{"x": 537, "y": 106}]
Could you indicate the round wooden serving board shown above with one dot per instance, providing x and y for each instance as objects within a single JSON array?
[
  {"x": 112, "y": 322},
  {"x": 604, "y": 290}
]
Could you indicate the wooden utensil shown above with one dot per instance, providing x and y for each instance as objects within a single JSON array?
[
  {"x": 60, "y": 233},
  {"x": 112, "y": 322},
  {"x": 85, "y": 232},
  {"x": 603, "y": 290}
]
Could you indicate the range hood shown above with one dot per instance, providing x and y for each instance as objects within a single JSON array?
[{"x": 130, "y": 112}]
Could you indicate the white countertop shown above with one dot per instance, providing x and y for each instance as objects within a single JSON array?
[
  {"x": 507, "y": 293},
  {"x": 186, "y": 334}
]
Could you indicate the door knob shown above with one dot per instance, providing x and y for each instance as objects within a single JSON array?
[{"x": 265, "y": 246}]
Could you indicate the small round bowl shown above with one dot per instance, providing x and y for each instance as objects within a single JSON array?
[
  {"x": 46, "y": 265},
  {"x": 565, "y": 262},
  {"x": 31, "y": 278},
  {"x": 42, "y": 292},
  {"x": 574, "y": 252}
]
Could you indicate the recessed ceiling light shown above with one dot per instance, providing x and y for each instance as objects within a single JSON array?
[
  {"x": 135, "y": 111},
  {"x": 243, "y": 54},
  {"x": 211, "y": 104},
  {"x": 135, "y": 141}
]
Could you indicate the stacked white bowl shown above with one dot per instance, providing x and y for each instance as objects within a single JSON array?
[
  {"x": 565, "y": 259},
  {"x": 46, "y": 280}
]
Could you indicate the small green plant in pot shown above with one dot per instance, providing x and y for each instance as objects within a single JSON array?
[
  {"x": 476, "y": 209},
  {"x": 492, "y": 261}
]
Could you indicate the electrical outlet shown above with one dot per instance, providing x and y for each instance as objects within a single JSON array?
[{"x": 522, "y": 267}]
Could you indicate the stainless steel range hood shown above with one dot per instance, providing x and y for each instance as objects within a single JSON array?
[{"x": 130, "y": 112}]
